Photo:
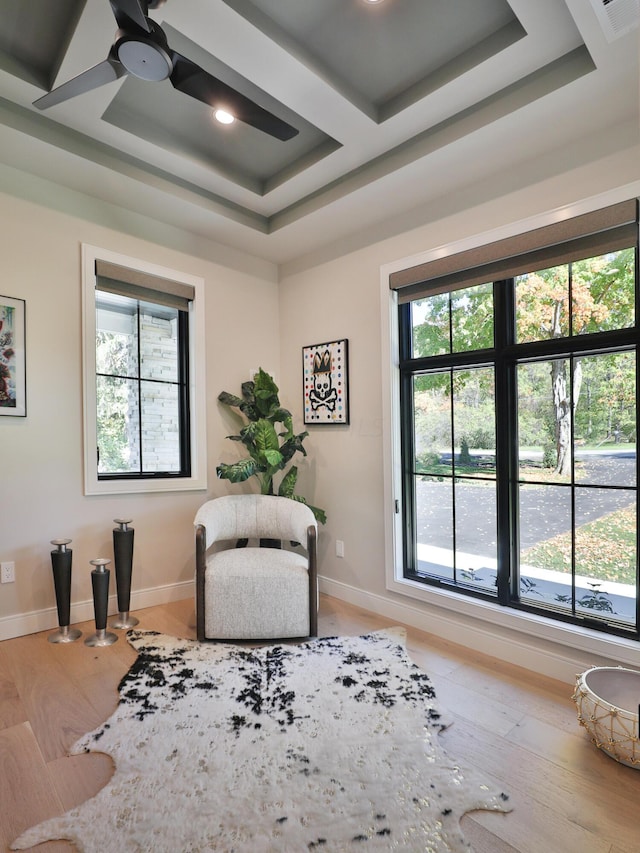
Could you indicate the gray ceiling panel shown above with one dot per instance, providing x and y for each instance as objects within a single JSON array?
[
  {"x": 402, "y": 106},
  {"x": 34, "y": 37},
  {"x": 377, "y": 54}
]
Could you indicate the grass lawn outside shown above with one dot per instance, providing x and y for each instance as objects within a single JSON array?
[{"x": 605, "y": 549}]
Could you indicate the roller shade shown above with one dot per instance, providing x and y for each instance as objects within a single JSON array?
[
  {"x": 125, "y": 281},
  {"x": 591, "y": 234}
]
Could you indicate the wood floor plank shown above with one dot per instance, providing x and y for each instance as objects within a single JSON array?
[
  {"x": 549, "y": 699},
  {"x": 616, "y": 848},
  {"x": 49, "y": 694},
  {"x": 540, "y": 829},
  {"x": 595, "y": 803},
  {"x": 12, "y": 711},
  {"x": 26, "y": 797},
  {"x": 481, "y": 839},
  {"x": 490, "y": 714},
  {"x": 77, "y": 778},
  {"x": 569, "y": 749},
  {"x": 177, "y": 619}
]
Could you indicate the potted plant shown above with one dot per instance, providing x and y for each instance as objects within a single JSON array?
[{"x": 270, "y": 450}]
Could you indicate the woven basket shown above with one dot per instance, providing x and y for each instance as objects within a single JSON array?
[{"x": 607, "y": 699}]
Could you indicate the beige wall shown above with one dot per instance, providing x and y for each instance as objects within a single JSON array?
[
  {"x": 41, "y": 485},
  {"x": 342, "y": 298}
]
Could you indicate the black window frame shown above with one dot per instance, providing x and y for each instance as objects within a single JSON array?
[
  {"x": 162, "y": 293},
  {"x": 505, "y": 357}
]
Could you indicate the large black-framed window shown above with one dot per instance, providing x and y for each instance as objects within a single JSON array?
[
  {"x": 518, "y": 416},
  {"x": 142, "y": 375}
]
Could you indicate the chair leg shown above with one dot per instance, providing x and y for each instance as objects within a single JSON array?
[
  {"x": 201, "y": 548},
  {"x": 313, "y": 581}
]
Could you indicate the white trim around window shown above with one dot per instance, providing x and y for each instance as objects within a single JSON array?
[{"x": 197, "y": 385}]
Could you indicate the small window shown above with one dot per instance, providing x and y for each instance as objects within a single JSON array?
[
  {"x": 141, "y": 381},
  {"x": 144, "y": 430}
]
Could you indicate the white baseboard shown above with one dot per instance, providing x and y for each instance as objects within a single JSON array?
[
  {"x": 82, "y": 611},
  {"x": 553, "y": 659},
  {"x": 541, "y": 655}
]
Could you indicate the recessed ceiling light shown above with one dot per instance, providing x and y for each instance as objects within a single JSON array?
[{"x": 224, "y": 117}]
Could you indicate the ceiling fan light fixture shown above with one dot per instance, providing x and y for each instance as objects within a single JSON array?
[{"x": 223, "y": 116}]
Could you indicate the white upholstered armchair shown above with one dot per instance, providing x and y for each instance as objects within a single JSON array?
[{"x": 255, "y": 593}]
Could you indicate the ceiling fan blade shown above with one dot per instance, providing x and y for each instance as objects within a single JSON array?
[
  {"x": 126, "y": 11},
  {"x": 105, "y": 72},
  {"x": 189, "y": 78}
]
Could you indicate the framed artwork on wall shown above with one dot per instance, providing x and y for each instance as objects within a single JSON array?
[
  {"x": 13, "y": 377},
  {"x": 325, "y": 378}
]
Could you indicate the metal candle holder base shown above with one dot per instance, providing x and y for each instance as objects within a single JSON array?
[
  {"x": 100, "y": 583},
  {"x": 124, "y": 620},
  {"x": 65, "y": 634},
  {"x": 61, "y": 566},
  {"x": 123, "y": 559},
  {"x": 102, "y": 637}
]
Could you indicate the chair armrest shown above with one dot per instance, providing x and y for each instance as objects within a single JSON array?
[
  {"x": 201, "y": 549},
  {"x": 312, "y": 536}
]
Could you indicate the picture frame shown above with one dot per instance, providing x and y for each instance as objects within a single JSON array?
[
  {"x": 13, "y": 375},
  {"x": 325, "y": 379}
]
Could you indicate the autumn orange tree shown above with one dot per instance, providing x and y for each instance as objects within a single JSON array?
[{"x": 602, "y": 298}]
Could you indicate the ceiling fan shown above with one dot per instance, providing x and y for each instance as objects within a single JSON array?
[{"x": 141, "y": 49}]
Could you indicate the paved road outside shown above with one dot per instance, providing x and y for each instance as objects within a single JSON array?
[{"x": 545, "y": 511}]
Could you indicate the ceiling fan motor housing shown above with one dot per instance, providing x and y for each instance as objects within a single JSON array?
[{"x": 145, "y": 56}]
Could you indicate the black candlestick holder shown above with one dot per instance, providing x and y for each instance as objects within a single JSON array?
[
  {"x": 100, "y": 584},
  {"x": 123, "y": 558},
  {"x": 61, "y": 567}
]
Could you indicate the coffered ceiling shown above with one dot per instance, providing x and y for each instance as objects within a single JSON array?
[{"x": 398, "y": 105}]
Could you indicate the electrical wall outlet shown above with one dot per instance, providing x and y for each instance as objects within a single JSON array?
[
  {"x": 7, "y": 572},
  {"x": 339, "y": 548}
]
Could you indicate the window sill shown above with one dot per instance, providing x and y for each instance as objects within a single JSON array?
[
  {"x": 143, "y": 486},
  {"x": 505, "y": 622}
]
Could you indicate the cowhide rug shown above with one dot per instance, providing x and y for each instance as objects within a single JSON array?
[{"x": 330, "y": 745}]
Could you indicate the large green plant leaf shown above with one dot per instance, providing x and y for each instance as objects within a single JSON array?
[
  {"x": 293, "y": 445},
  {"x": 265, "y": 392},
  {"x": 247, "y": 405},
  {"x": 237, "y": 472},
  {"x": 247, "y": 391},
  {"x": 229, "y": 399},
  {"x": 283, "y": 416},
  {"x": 267, "y": 445},
  {"x": 319, "y": 514},
  {"x": 288, "y": 483},
  {"x": 274, "y": 459}
]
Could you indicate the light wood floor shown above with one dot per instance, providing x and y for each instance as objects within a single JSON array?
[{"x": 520, "y": 729}]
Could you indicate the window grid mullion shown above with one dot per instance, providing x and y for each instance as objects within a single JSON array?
[
  {"x": 139, "y": 384},
  {"x": 454, "y": 557},
  {"x": 506, "y": 444}
]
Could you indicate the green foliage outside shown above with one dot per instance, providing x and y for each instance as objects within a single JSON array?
[
  {"x": 112, "y": 403},
  {"x": 268, "y": 437}
]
